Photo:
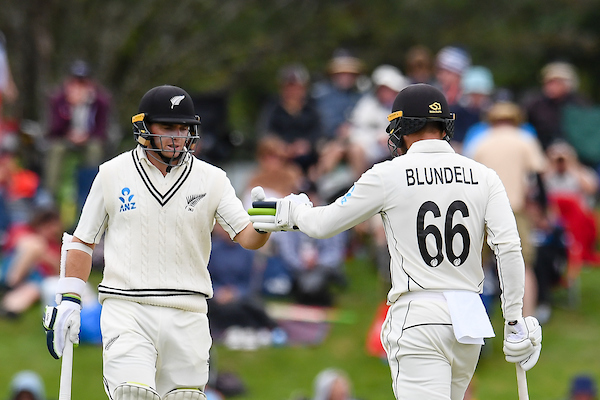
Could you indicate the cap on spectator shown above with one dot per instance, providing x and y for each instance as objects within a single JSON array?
[
  {"x": 293, "y": 73},
  {"x": 505, "y": 111},
  {"x": 419, "y": 56},
  {"x": 324, "y": 381},
  {"x": 343, "y": 61},
  {"x": 390, "y": 76},
  {"x": 28, "y": 381},
  {"x": 561, "y": 70},
  {"x": 583, "y": 384},
  {"x": 561, "y": 149},
  {"x": 453, "y": 59},
  {"x": 80, "y": 69},
  {"x": 477, "y": 79}
]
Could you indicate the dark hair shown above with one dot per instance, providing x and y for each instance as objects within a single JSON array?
[
  {"x": 44, "y": 215},
  {"x": 434, "y": 125}
]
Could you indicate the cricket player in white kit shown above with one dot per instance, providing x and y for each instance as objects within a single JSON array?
[
  {"x": 156, "y": 206},
  {"x": 436, "y": 207}
]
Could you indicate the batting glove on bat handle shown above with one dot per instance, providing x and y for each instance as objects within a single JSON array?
[
  {"x": 272, "y": 219},
  {"x": 285, "y": 217},
  {"x": 523, "y": 341},
  {"x": 61, "y": 320}
]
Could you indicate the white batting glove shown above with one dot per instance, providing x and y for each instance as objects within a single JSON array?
[
  {"x": 258, "y": 194},
  {"x": 279, "y": 215},
  {"x": 523, "y": 341},
  {"x": 262, "y": 218},
  {"x": 60, "y": 321},
  {"x": 284, "y": 217}
]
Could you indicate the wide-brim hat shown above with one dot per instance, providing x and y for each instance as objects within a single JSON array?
[
  {"x": 390, "y": 76},
  {"x": 345, "y": 63},
  {"x": 505, "y": 111}
]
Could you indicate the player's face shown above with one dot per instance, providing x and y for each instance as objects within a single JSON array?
[{"x": 170, "y": 138}]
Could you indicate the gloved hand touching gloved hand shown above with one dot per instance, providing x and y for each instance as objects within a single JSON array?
[
  {"x": 62, "y": 323},
  {"x": 523, "y": 341},
  {"x": 269, "y": 215}
]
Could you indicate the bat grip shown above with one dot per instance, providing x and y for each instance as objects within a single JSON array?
[
  {"x": 521, "y": 383},
  {"x": 66, "y": 371}
]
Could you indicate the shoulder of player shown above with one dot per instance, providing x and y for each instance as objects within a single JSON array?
[
  {"x": 117, "y": 160},
  {"x": 205, "y": 167}
]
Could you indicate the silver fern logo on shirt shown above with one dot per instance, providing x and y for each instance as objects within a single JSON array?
[
  {"x": 192, "y": 200},
  {"x": 126, "y": 199}
]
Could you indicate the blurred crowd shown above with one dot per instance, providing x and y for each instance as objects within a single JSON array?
[{"x": 316, "y": 136}]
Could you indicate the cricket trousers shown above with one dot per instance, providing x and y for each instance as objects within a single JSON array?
[
  {"x": 426, "y": 361},
  {"x": 162, "y": 347}
]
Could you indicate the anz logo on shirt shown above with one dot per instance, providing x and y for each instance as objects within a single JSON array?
[
  {"x": 126, "y": 200},
  {"x": 347, "y": 195}
]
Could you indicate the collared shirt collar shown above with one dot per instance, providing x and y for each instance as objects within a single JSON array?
[{"x": 430, "y": 146}]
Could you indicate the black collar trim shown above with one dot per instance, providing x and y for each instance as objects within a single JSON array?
[{"x": 160, "y": 197}]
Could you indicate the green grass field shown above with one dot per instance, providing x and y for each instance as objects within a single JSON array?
[{"x": 571, "y": 345}]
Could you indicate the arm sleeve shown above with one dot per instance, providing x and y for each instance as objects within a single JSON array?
[
  {"x": 364, "y": 199},
  {"x": 503, "y": 239},
  {"x": 231, "y": 214}
]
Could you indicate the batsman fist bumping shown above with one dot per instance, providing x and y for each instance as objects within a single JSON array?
[
  {"x": 156, "y": 206},
  {"x": 436, "y": 207}
]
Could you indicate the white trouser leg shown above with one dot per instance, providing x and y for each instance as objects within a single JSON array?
[
  {"x": 159, "y": 347},
  {"x": 426, "y": 360}
]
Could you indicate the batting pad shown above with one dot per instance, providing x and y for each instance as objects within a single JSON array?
[
  {"x": 134, "y": 391},
  {"x": 185, "y": 394}
]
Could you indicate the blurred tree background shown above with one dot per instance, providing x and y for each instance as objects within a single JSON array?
[{"x": 234, "y": 47}]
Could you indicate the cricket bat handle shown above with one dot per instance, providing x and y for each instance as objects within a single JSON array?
[
  {"x": 521, "y": 383},
  {"x": 66, "y": 371}
]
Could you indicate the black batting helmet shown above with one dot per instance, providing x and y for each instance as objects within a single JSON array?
[
  {"x": 167, "y": 104},
  {"x": 415, "y": 106}
]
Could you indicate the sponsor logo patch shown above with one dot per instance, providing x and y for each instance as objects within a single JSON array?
[
  {"x": 435, "y": 107},
  {"x": 347, "y": 196},
  {"x": 126, "y": 199}
]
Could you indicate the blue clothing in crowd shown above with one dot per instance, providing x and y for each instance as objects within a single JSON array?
[
  {"x": 335, "y": 106},
  {"x": 231, "y": 265}
]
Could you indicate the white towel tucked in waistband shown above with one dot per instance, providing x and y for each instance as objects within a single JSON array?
[{"x": 469, "y": 318}]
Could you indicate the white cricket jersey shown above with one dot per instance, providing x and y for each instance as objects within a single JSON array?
[
  {"x": 158, "y": 228},
  {"x": 435, "y": 205}
]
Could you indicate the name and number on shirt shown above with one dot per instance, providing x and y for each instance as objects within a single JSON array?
[{"x": 440, "y": 176}]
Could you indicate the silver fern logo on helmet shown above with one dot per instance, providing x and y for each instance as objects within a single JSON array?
[{"x": 175, "y": 100}]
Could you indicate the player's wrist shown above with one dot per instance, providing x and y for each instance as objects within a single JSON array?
[
  {"x": 71, "y": 297},
  {"x": 71, "y": 286}
]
